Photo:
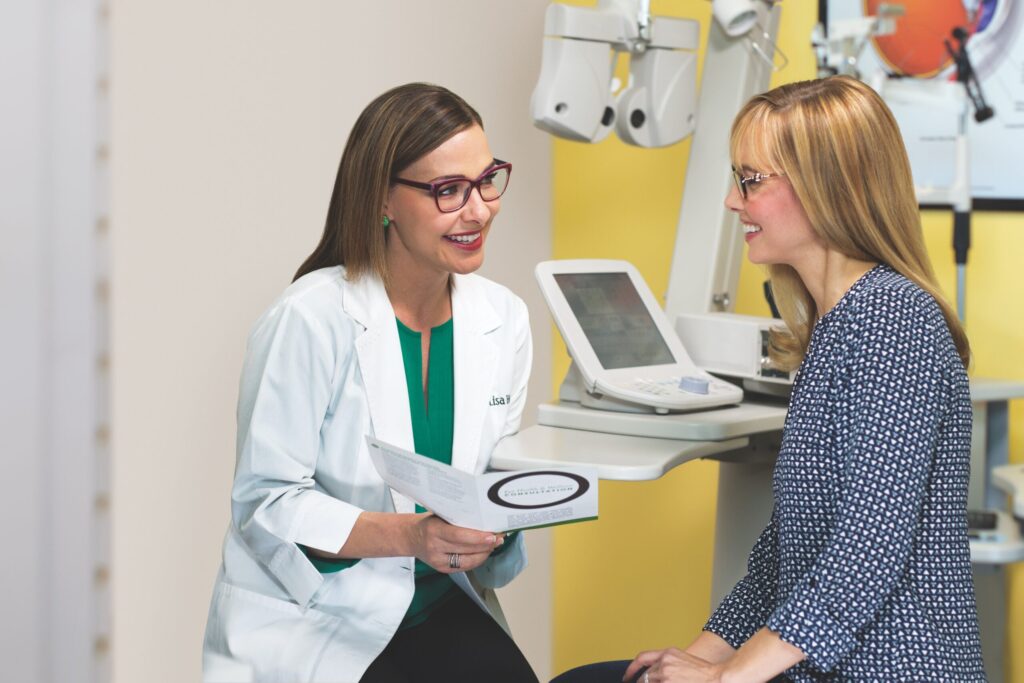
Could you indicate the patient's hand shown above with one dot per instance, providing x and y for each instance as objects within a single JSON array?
[{"x": 675, "y": 666}]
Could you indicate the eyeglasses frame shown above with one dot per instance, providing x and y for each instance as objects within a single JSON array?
[
  {"x": 434, "y": 188},
  {"x": 741, "y": 181}
]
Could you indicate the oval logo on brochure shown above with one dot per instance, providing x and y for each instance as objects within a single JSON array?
[{"x": 531, "y": 490}]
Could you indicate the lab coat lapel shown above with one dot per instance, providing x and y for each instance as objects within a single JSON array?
[
  {"x": 476, "y": 358},
  {"x": 380, "y": 362}
]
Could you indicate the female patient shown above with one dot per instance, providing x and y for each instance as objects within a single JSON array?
[{"x": 863, "y": 572}]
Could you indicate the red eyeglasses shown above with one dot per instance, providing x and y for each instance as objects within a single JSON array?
[{"x": 453, "y": 193}]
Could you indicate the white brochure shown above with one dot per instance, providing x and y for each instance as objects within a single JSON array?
[{"x": 494, "y": 501}]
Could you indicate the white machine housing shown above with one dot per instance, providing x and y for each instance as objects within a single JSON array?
[
  {"x": 1010, "y": 478},
  {"x": 575, "y": 95},
  {"x": 840, "y": 52},
  {"x": 1004, "y": 543},
  {"x": 734, "y": 345},
  {"x": 638, "y": 386}
]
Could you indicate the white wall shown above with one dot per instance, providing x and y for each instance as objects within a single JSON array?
[
  {"x": 51, "y": 397},
  {"x": 22, "y": 302},
  {"x": 228, "y": 119}
]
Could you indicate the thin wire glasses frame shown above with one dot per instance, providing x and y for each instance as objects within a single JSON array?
[
  {"x": 742, "y": 181},
  {"x": 451, "y": 194}
]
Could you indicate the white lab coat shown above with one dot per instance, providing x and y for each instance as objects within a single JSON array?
[{"x": 323, "y": 369}]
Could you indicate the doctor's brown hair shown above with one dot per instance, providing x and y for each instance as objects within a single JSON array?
[
  {"x": 839, "y": 146},
  {"x": 394, "y": 130}
]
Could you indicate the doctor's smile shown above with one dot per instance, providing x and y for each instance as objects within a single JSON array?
[{"x": 469, "y": 241}]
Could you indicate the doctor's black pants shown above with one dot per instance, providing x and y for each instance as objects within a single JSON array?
[{"x": 459, "y": 642}]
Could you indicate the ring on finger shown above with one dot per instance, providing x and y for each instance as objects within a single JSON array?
[
  {"x": 454, "y": 561},
  {"x": 647, "y": 678}
]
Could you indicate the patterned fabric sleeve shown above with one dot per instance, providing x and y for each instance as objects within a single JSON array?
[
  {"x": 747, "y": 606},
  {"x": 890, "y": 394}
]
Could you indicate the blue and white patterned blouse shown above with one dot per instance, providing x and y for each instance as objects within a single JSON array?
[{"x": 865, "y": 564}]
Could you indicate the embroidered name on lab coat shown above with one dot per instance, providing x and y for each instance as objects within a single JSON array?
[{"x": 500, "y": 400}]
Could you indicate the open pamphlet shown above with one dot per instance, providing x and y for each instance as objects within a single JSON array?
[{"x": 493, "y": 501}]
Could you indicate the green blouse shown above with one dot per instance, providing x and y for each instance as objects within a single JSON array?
[
  {"x": 432, "y": 435},
  {"x": 432, "y": 430}
]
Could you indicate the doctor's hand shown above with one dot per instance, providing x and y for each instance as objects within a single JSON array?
[
  {"x": 673, "y": 665},
  {"x": 450, "y": 549}
]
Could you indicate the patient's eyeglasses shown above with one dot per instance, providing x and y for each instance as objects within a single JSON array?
[
  {"x": 452, "y": 194},
  {"x": 742, "y": 181}
]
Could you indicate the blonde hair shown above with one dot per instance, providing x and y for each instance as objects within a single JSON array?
[
  {"x": 394, "y": 130},
  {"x": 840, "y": 148}
]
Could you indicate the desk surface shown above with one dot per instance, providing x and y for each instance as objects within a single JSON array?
[
  {"x": 638, "y": 447},
  {"x": 984, "y": 389},
  {"x": 729, "y": 422},
  {"x": 627, "y": 458}
]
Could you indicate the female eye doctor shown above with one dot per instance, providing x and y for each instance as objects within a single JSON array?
[{"x": 328, "y": 574}]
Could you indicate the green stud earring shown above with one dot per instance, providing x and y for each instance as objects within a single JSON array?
[{"x": 386, "y": 222}]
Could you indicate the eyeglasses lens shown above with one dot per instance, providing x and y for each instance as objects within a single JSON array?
[
  {"x": 454, "y": 195},
  {"x": 493, "y": 184},
  {"x": 740, "y": 184}
]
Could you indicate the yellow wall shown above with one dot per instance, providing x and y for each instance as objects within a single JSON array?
[{"x": 640, "y": 577}]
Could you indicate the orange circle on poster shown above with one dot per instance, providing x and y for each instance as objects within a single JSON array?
[{"x": 918, "y": 48}]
